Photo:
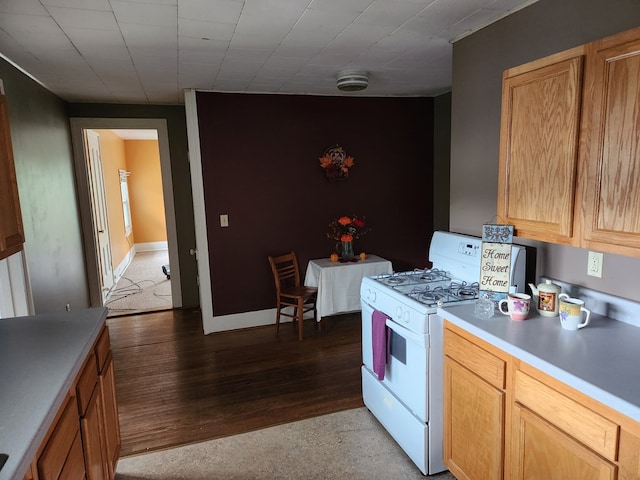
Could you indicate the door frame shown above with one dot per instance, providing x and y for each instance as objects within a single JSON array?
[
  {"x": 200, "y": 218},
  {"x": 78, "y": 124}
]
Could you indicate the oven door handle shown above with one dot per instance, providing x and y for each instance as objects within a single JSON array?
[{"x": 406, "y": 333}]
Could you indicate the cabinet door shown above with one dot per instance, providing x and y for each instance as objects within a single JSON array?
[
  {"x": 473, "y": 424},
  {"x": 111, "y": 420},
  {"x": 62, "y": 456},
  {"x": 543, "y": 451},
  {"x": 539, "y": 146},
  {"x": 11, "y": 232},
  {"x": 32, "y": 473},
  {"x": 611, "y": 148},
  {"x": 93, "y": 440}
]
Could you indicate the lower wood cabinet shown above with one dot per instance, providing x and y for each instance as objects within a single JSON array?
[
  {"x": 110, "y": 415},
  {"x": 474, "y": 409},
  {"x": 474, "y": 424},
  {"x": 93, "y": 442},
  {"x": 505, "y": 419},
  {"x": 84, "y": 440},
  {"x": 62, "y": 455},
  {"x": 542, "y": 450}
]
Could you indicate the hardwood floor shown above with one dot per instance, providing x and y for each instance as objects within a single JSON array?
[{"x": 175, "y": 385}]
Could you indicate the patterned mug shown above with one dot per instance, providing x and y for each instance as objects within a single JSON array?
[
  {"x": 517, "y": 305},
  {"x": 572, "y": 311}
]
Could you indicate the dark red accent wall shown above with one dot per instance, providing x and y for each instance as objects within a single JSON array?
[{"x": 260, "y": 166}]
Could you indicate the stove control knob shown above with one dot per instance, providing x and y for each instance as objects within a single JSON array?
[
  {"x": 371, "y": 295},
  {"x": 399, "y": 312},
  {"x": 405, "y": 317}
]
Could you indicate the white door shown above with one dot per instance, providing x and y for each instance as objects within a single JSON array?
[{"x": 99, "y": 207}]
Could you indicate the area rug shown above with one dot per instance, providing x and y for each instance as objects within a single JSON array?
[{"x": 346, "y": 445}]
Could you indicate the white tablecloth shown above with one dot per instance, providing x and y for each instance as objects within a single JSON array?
[{"x": 339, "y": 283}]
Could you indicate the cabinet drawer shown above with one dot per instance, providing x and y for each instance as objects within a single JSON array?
[
  {"x": 486, "y": 365},
  {"x": 103, "y": 346},
  {"x": 87, "y": 382},
  {"x": 63, "y": 448},
  {"x": 586, "y": 426}
]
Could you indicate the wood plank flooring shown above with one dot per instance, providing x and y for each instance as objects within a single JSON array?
[{"x": 176, "y": 386}]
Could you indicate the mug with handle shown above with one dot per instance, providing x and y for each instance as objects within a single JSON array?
[
  {"x": 572, "y": 311},
  {"x": 517, "y": 305}
]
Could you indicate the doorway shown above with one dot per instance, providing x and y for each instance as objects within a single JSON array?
[{"x": 123, "y": 290}]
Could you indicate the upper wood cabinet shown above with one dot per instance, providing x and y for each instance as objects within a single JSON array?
[
  {"x": 569, "y": 169},
  {"x": 11, "y": 231},
  {"x": 610, "y": 148},
  {"x": 539, "y": 146}
]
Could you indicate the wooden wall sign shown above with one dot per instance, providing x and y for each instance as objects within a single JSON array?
[{"x": 495, "y": 261}]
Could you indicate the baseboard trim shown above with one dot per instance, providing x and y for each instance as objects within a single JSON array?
[
  {"x": 119, "y": 270},
  {"x": 151, "y": 246},
  {"x": 235, "y": 321}
]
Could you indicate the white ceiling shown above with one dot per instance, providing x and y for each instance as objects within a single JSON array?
[{"x": 150, "y": 51}]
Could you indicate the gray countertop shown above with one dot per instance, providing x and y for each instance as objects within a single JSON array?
[
  {"x": 40, "y": 356},
  {"x": 600, "y": 360}
]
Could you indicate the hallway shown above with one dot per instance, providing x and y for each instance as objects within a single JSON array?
[{"x": 143, "y": 287}]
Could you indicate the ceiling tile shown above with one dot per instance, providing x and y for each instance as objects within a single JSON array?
[
  {"x": 218, "y": 11},
  {"x": 89, "y": 19},
  {"x": 26, "y": 7},
  {"x": 205, "y": 29},
  {"x": 143, "y": 14},
  {"x": 150, "y": 50}
]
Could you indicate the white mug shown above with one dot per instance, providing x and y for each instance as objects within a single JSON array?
[
  {"x": 572, "y": 311},
  {"x": 517, "y": 305}
]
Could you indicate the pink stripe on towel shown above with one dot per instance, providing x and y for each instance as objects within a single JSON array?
[{"x": 379, "y": 342}]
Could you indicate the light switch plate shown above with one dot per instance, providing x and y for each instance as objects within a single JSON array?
[{"x": 224, "y": 220}]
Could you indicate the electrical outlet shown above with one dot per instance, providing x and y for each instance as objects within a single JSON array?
[
  {"x": 224, "y": 220},
  {"x": 67, "y": 307},
  {"x": 594, "y": 264}
]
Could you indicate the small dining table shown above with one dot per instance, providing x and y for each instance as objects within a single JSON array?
[{"x": 339, "y": 283}]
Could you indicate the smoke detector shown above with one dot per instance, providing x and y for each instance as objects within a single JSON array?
[{"x": 352, "y": 81}]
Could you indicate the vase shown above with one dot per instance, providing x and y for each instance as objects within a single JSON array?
[{"x": 346, "y": 250}]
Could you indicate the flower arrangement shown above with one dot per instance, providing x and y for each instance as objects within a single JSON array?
[
  {"x": 346, "y": 229},
  {"x": 336, "y": 163}
]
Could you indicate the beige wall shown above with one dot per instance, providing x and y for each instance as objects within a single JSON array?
[
  {"x": 145, "y": 191},
  {"x": 113, "y": 155}
]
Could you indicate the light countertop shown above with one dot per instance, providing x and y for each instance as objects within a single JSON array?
[
  {"x": 40, "y": 356},
  {"x": 600, "y": 360}
]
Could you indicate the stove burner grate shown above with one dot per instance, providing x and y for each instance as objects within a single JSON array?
[
  {"x": 441, "y": 295},
  {"x": 414, "y": 277},
  {"x": 431, "y": 287},
  {"x": 394, "y": 280},
  {"x": 465, "y": 290}
]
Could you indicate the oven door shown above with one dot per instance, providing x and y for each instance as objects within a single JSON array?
[{"x": 405, "y": 374}]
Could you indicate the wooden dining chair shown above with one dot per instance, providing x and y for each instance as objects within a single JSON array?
[{"x": 289, "y": 292}]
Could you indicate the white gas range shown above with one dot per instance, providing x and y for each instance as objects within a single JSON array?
[{"x": 402, "y": 341}]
